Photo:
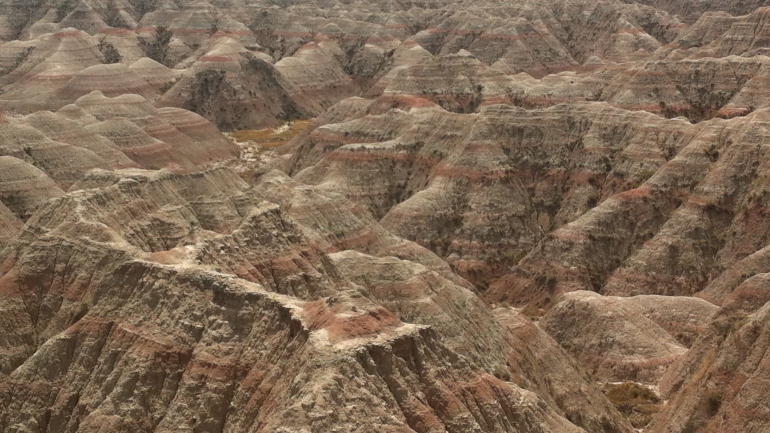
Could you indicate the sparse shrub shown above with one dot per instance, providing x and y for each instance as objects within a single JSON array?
[
  {"x": 592, "y": 202},
  {"x": 110, "y": 53},
  {"x": 20, "y": 59},
  {"x": 549, "y": 281},
  {"x": 214, "y": 27},
  {"x": 166, "y": 87},
  {"x": 280, "y": 3},
  {"x": 63, "y": 9},
  {"x": 143, "y": 7},
  {"x": 713, "y": 402},
  {"x": 595, "y": 95},
  {"x": 531, "y": 311},
  {"x": 248, "y": 175},
  {"x": 517, "y": 97},
  {"x": 630, "y": 392},
  {"x": 157, "y": 47},
  {"x": 263, "y": 32},
  {"x": 209, "y": 84},
  {"x": 112, "y": 16},
  {"x": 712, "y": 153},
  {"x": 501, "y": 373},
  {"x": 637, "y": 402}
]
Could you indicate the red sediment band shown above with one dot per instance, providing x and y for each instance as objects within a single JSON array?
[
  {"x": 631, "y": 364},
  {"x": 588, "y": 68},
  {"x": 189, "y": 31},
  {"x": 509, "y": 38},
  {"x": 644, "y": 154},
  {"x": 374, "y": 40},
  {"x": 410, "y": 43},
  {"x": 9, "y": 285},
  {"x": 407, "y": 99},
  {"x": 186, "y": 119},
  {"x": 216, "y": 368},
  {"x": 67, "y": 34},
  {"x": 631, "y": 31},
  {"x": 147, "y": 149},
  {"x": 730, "y": 112},
  {"x": 583, "y": 176},
  {"x": 494, "y": 100},
  {"x": 639, "y": 280},
  {"x": 436, "y": 30},
  {"x": 319, "y": 315},
  {"x": 89, "y": 325},
  {"x": 116, "y": 31},
  {"x": 363, "y": 238},
  {"x": 698, "y": 200},
  {"x": 373, "y": 322},
  {"x": 547, "y": 101},
  {"x": 225, "y": 33},
  {"x": 155, "y": 344}
]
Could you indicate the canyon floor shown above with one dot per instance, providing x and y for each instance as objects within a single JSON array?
[{"x": 312, "y": 216}]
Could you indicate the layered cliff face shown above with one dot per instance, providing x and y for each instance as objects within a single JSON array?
[
  {"x": 719, "y": 380},
  {"x": 249, "y": 65},
  {"x": 447, "y": 180},
  {"x": 575, "y": 196},
  {"x": 532, "y": 204},
  {"x": 690, "y": 11},
  {"x": 45, "y": 153},
  {"x": 627, "y": 338},
  {"x": 532, "y": 216},
  {"x": 193, "y": 297}
]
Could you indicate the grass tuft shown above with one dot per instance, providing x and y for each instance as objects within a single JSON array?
[
  {"x": 269, "y": 138},
  {"x": 637, "y": 402}
]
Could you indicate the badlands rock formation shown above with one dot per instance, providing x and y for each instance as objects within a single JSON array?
[
  {"x": 45, "y": 153},
  {"x": 587, "y": 324},
  {"x": 190, "y": 286},
  {"x": 252, "y": 64},
  {"x": 534, "y": 216}
]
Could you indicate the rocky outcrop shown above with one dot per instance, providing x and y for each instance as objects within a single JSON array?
[
  {"x": 481, "y": 186},
  {"x": 611, "y": 216},
  {"x": 233, "y": 88},
  {"x": 45, "y": 67},
  {"x": 45, "y": 153},
  {"x": 192, "y": 278},
  {"x": 717, "y": 385},
  {"x": 624, "y": 339},
  {"x": 429, "y": 178},
  {"x": 644, "y": 266},
  {"x": 691, "y": 11},
  {"x": 24, "y": 188},
  {"x": 248, "y": 65}
]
